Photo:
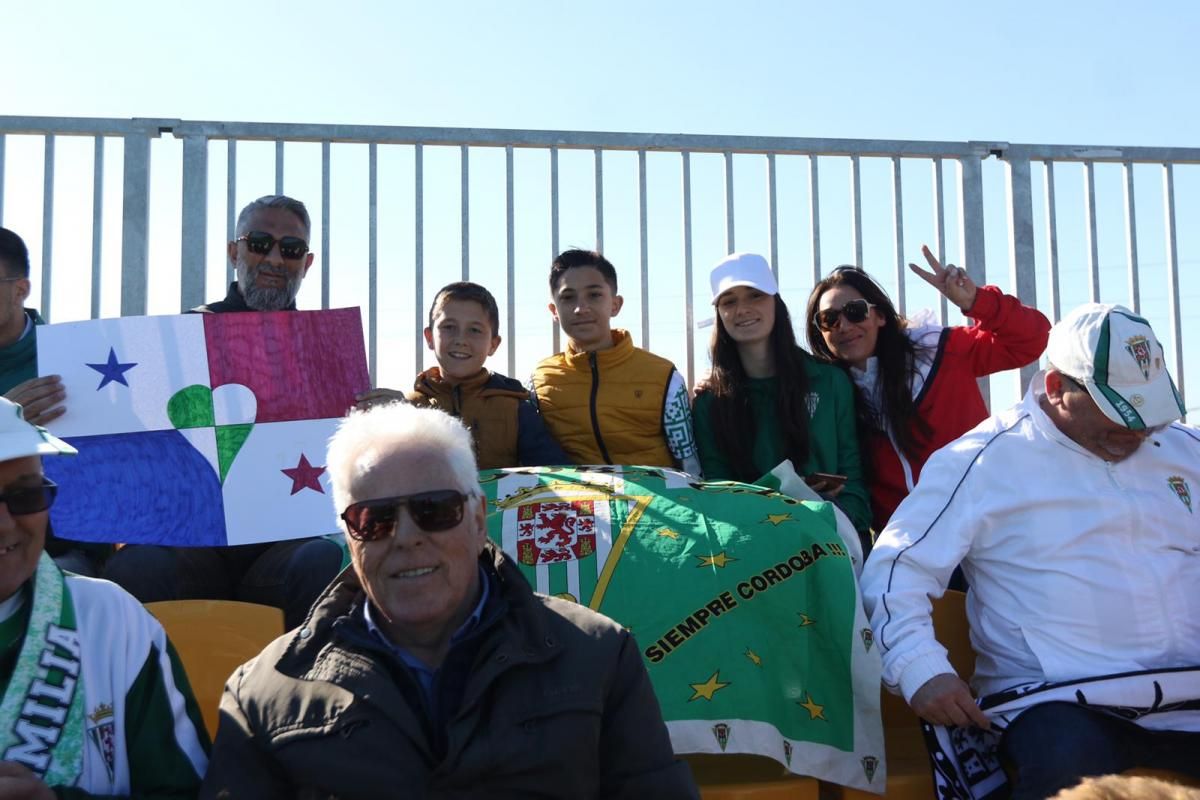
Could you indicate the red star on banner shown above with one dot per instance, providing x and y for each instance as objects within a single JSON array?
[{"x": 304, "y": 476}]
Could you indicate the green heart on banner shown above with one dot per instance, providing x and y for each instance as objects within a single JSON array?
[{"x": 192, "y": 407}]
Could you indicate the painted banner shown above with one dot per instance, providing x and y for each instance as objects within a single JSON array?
[
  {"x": 743, "y": 601},
  {"x": 200, "y": 429}
]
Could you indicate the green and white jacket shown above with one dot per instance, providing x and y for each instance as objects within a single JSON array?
[{"x": 95, "y": 699}]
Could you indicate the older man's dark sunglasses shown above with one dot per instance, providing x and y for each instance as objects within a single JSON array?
[
  {"x": 372, "y": 520},
  {"x": 853, "y": 310},
  {"x": 31, "y": 499},
  {"x": 260, "y": 243}
]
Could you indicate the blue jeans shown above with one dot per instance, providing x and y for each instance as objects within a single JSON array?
[{"x": 1055, "y": 745}]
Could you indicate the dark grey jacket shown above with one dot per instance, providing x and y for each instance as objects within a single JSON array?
[{"x": 556, "y": 704}]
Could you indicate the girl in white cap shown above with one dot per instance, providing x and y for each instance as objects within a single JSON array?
[
  {"x": 766, "y": 400},
  {"x": 916, "y": 380}
]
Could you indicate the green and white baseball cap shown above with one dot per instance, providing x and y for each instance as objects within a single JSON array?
[
  {"x": 19, "y": 438},
  {"x": 1115, "y": 354}
]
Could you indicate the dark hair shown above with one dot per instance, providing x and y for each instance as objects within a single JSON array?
[
  {"x": 13, "y": 254},
  {"x": 896, "y": 353},
  {"x": 473, "y": 292},
  {"x": 568, "y": 259},
  {"x": 733, "y": 421}
]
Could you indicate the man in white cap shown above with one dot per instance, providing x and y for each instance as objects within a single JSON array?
[
  {"x": 95, "y": 702},
  {"x": 1074, "y": 517}
]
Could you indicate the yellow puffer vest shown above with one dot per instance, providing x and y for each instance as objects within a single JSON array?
[
  {"x": 486, "y": 404},
  {"x": 606, "y": 407}
]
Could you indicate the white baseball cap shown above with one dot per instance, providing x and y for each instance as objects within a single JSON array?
[
  {"x": 742, "y": 269},
  {"x": 1116, "y": 356},
  {"x": 19, "y": 438}
]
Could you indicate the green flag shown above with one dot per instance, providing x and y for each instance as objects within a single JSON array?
[{"x": 743, "y": 601}]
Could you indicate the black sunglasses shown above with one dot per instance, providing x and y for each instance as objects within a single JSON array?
[
  {"x": 372, "y": 520},
  {"x": 261, "y": 242},
  {"x": 30, "y": 499},
  {"x": 854, "y": 311}
]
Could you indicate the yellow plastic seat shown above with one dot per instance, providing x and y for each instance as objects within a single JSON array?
[
  {"x": 739, "y": 776},
  {"x": 213, "y": 638}
]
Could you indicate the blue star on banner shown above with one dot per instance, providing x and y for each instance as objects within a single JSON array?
[{"x": 112, "y": 370}]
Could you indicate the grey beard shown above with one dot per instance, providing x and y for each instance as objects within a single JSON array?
[{"x": 268, "y": 298}]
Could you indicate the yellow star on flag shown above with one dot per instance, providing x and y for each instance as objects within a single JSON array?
[
  {"x": 776, "y": 519},
  {"x": 718, "y": 560},
  {"x": 806, "y": 620},
  {"x": 670, "y": 534},
  {"x": 814, "y": 711},
  {"x": 754, "y": 657},
  {"x": 708, "y": 688}
]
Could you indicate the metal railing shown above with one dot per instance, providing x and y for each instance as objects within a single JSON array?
[{"x": 1032, "y": 244}]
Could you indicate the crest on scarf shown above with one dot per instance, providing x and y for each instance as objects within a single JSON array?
[
  {"x": 1182, "y": 490},
  {"x": 1139, "y": 348},
  {"x": 868, "y": 638},
  {"x": 869, "y": 764},
  {"x": 787, "y": 752},
  {"x": 721, "y": 731},
  {"x": 548, "y": 533},
  {"x": 812, "y": 401},
  {"x": 102, "y": 732}
]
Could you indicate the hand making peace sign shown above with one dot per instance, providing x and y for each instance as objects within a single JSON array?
[{"x": 950, "y": 280}]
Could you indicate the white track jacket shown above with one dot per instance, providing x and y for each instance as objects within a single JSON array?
[{"x": 1077, "y": 567}]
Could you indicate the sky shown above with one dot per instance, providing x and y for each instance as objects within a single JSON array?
[{"x": 1103, "y": 73}]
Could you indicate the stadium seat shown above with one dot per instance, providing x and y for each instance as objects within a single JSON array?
[
  {"x": 748, "y": 777},
  {"x": 908, "y": 774},
  {"x": 213, "y": 638}
]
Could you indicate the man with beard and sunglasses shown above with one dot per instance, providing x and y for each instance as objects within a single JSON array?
[
  {"x": 270, "y": 255},
  {"x": 430, "y": 668},
  {"x": 1074, "y": 517}
]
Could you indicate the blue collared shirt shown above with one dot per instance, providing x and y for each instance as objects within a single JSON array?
[{"x": 424, "y": 674}]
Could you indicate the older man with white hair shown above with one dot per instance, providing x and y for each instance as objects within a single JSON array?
[
  {"x": 430, "y": 667},
  {"x": 1074, "y": 517},
  {"x": 95, "y": 704}
]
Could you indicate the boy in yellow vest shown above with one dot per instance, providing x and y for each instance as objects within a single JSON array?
[
  {"x": 604, "y": 400},
  {"x": 462, "y": 333}
]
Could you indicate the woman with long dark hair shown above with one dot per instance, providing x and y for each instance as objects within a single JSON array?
[
  {"x": 916, "y": 381},
  {"x": 766, "y": 400}
]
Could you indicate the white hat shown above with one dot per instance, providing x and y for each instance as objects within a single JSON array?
[
  {"x": 19, "y": 438},
  {"x": 742, "y": 269},
  {"x": 1115, "y": 354}
]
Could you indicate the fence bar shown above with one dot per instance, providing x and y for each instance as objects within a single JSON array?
[
  {"x": 2, "y": 140},
  {"x": 231, "y": 208},
  {"x": 419, "y": 253},
  {"x": 279, "y": 166},
  {"x": 729, "y": 241},
  {"x": 511, "y": 252},
  {"x": 97, "y": 219},
  {"x": 898, "y": 231},
  {"x": 1173, "y": 276},
  {"x": 1052, "y": 244},
  {"x": 599, "y": 200},
  {"x": 644, "y": 249},
  {"x": 939, "y": 226},
  {"x": 1131, "y": 254},
  {"x": 814, "y": 216},
  {"x": 47, "y": 222},
  {"x": 325, "y": 234},
  {"x": 773, "y": 214},
  {"x": 1093, "y": 252},
  {"x": 193, "y": 250},
  {"x": 554, "y": 246},
  {"x": 689, "y": 320},
  {"x": 135, "y": 225},
  {"x": 465, "y": 196},
  {"x": 372, "y": 259},
  {"x": 1022, "y": 259},
  {"x": 856, "y": 209}
]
